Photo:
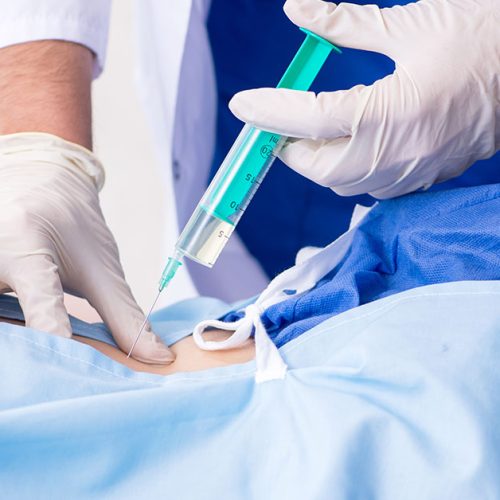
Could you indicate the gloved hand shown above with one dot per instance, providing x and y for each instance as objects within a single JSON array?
[
  {"x": 53, "y": 237},
  {"x": 432, "y": 118}
]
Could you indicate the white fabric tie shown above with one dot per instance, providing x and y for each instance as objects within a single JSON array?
[
  {"x": 270, "y": 365},
  {"x": 300, "y": 278}
]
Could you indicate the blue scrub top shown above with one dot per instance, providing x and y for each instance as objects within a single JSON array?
[{"x": 253, "y": 42}]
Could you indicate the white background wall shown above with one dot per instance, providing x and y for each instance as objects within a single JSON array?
[{"x": 136, "y": 203}]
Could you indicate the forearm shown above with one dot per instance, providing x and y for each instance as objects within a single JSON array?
[{"x": 45, "y": 87}]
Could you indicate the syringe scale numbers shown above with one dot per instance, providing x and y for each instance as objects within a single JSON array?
[
  {"x": 229, "y": 194},
  {"x": 240, "y": 175}
]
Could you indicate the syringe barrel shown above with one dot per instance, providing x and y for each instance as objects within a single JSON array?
[
  {"x": 245, "y": 166},
  {"x": 228, "y": 195}
]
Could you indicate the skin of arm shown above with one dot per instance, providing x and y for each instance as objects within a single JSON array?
[{"x": 45, "y": 86}]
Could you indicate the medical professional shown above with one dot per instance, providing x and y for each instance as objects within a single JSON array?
[{"x": 437, "y": 114}]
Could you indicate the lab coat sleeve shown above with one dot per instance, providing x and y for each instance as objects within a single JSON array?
[{"x": 80, "y": 21}]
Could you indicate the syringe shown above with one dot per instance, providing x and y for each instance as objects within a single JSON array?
[{"x": 240, "y": 175}]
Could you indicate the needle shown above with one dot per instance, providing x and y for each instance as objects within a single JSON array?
[
  {"x": 167, "y": 276},
  {"x": 143, "y": 324}
]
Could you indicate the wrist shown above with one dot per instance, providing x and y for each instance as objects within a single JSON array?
[{"x": 23, "y": 148}]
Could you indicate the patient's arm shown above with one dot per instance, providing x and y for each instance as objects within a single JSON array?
[{"x": 189, "y": 357}]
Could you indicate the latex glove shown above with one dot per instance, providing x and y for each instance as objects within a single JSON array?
[
  {"x": 432, "y": 118},
  {"x": 53, "y": 237}
]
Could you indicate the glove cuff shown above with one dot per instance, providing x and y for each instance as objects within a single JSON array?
[{"x": 39, "y": 142}]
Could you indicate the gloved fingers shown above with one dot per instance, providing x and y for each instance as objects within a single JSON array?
[
  {"x": 36, "y": 282},
  {"x": 112, "y": 298},
  {"x": 294, "y": 113},
  {"x": 365, "y": 27},
  {"x": 322, "y": 161},
  {"x": 412, "y": 177},
  {"x": 344, "y": 166}
]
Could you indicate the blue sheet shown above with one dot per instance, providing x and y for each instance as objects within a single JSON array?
[
  {"x": 411, "y": 241},
  {"x": 395, "y": 399}
]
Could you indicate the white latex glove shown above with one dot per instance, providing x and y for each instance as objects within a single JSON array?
[
  {"x": 53, "y": 237},
  {"x": 432, "y": 118}
]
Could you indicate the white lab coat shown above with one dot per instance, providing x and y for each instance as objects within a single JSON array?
[{"x": 177, "y": 87}]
